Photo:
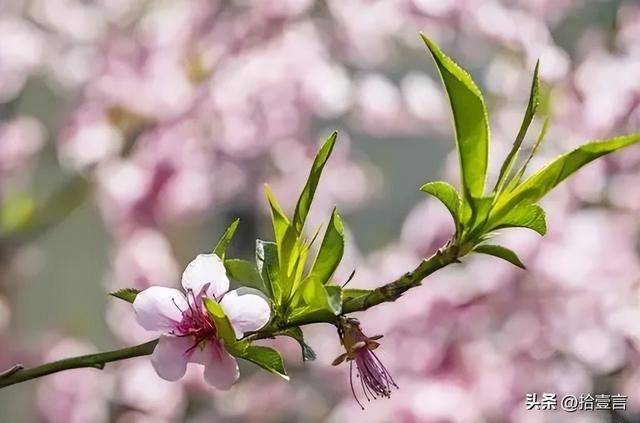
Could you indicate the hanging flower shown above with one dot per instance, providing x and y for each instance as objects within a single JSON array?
[
  {"x": 374, "y": 378},
  {"x": 189, "y": 334}
]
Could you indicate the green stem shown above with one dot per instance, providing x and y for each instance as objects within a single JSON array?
[
  {"x": 17, "y": 375},
  {"x": 393, "y": 290},
  {"x": 386, "y": 293}
]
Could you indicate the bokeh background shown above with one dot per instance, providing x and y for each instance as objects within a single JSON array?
[{"x": 133, "y": 131}]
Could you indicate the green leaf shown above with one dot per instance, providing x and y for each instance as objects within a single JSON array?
[
  {"x": 268, "y": 268},
  {"x": 296, "y": 333},
  {"x": 518, "y": 176},
  {"x": 223, "y": 242},
  {"x": 267, "y": 358},
  {"x": 126, "y": 294},
  {"x": 448, "y": 196},
  {"x": 245, "y": 272},
  {"x": 223, "y": 325},
  {"x": 540, "y": 183},
  {"x": 331, "y": 250},
  {"x": 316, "y": 302},
  {"x": 480, "y": 211},
  {"x": 306, "y": 197},
  {"x": 534, "y": 100},
  {"x": 500, "y": 252},
  {"x": 279, "y": 219},
  {"x": 470, "y": 121},
  {"x": 296, "y": 270},
  {"x": 286, "y": 240},
  {"x": 312, "y": 292},
  {"x": 530, "y": 216}
]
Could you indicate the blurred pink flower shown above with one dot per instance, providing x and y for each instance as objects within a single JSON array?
[
  {"x": 368, "y": 27},
  {"x": 20, "y": 140},
  {"x": 143, "y": 259},
  {"x": 190, "y": 334},
  {"x": 159, "y": 77},
  {"x": 169, "y": 176},
  {"x": 139, "y": 388},
  {"x": 608, "y": 88},
  {"x": 89, "y": 138},
  {"x": 76, "y": 396},
  {"x": 21, "y": 52},
  {"x": 379, "y": 106}
]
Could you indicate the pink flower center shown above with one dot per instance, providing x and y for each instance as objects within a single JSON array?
[{"x": 195, "y": 321}]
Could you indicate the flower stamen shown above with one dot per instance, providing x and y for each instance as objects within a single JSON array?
[{"x": 375, "y": 379}]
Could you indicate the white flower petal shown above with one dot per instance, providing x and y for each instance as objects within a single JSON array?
[
  {"x": 246, "y": 309},
  {"x": 206, "y": 269},
  {"x": 220, "y": 368},
  {"x": 159, "y": 308},
  {"x": 170, "y": 357}
]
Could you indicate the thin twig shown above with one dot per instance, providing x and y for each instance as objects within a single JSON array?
[{"x": 98, "y": 361}]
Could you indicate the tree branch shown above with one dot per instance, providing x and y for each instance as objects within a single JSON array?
[
  {"x": 393, "y": 290},
  {"x": 17, "y": 375},
  {"x": 386, "y": 293}
]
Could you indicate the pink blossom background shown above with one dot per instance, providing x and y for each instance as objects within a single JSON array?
[{"x": 175, "y": 113}]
